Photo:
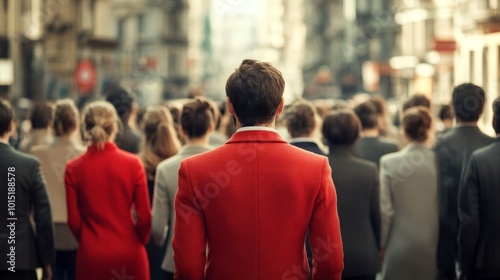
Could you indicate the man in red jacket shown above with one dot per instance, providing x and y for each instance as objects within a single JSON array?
[{"x": 253, "y": 199}]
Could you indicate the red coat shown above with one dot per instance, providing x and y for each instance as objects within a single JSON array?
[
  {"x": 252, "y": 201},
  {"x": 101, "y": 189}
]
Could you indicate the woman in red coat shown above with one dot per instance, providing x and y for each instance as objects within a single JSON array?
[{"x": 102, "y": 188}]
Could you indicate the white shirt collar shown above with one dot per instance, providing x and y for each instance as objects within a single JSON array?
[
  {"x": 256, "y": 128},
  {"x": 302, "y": 139}
]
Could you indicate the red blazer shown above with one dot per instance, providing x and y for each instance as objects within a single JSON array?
[
  {"x": 252, "y": 201},
  {"x": 102, "y": 186}
]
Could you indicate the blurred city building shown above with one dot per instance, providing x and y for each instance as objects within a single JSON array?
[{"x": 348, "y": 47}]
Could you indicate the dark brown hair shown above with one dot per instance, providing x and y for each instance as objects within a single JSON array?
[
  {"x": 417, "y": 122},
  {"x": 367, "y": 114},
  {"x": 341, "y": 128},
  {"x": 6, "y": 116},
  {"x": 41, "y": 115},
  {"x": 255, "y": 90},
  {"x": 197, "y": 116},
  {"x": 468, "y": 102},
  {"x": 496, "y": 115},
  {"x": 66, "y": 117},
  {"x": 446, "y": 113},
  {"x": 416, "y": 100},
  {"x": 301, "y": 118}
]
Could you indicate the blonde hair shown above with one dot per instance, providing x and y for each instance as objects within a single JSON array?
[
  {"x": 160, "y": 138},
  {"x": 100, "y": 121},
  {"x": 66, "y": 117}
]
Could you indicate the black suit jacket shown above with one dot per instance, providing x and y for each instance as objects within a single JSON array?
[
  {"x": 479, "y": 197},
  {"x": 373, "y": 148},
  {"x": 309, "y": 146},
  {"x": 128, "y": 140},
  {"x": 453, "y": 151},
  {"x": 357, "y": 185},
  {"x": 33, "y": 247}
]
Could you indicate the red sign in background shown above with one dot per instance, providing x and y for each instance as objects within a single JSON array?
[{"x": 85, "y": 76}]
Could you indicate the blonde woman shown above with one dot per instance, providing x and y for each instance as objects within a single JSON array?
[
  {"x": 159, "y": 142},
  {"x": 102, "y": 187},
  {"x": 53, "y": 159}
]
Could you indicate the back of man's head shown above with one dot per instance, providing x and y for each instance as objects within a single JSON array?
[
  {"x": 367, "y": 114},
  {"x": 6, "y": 117},
  {"x": 41, "y": 115},
  {"x": 122, "y": 101},
  {"x": 496, "y": 115},
  {"x": 446, "y": 113},
  {"x": 468, "y": 102},
  {"x": 418, "y": 99},
  {"x": 255, "y": 90}
]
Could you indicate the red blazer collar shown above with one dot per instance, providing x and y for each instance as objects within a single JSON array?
[{"x": 256, "y": 136}]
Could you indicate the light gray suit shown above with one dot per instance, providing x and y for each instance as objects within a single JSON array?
[
  {"x": 163, "y": 200},
  {"x": 409, "y": 209}
]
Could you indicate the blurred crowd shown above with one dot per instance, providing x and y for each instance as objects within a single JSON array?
[{"x": 414, "y": 202}]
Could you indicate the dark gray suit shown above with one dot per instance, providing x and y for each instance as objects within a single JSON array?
[
  {"x": 453, "y": 151},
  {"x": 357, "y": 185},
  {"x": 373, "y": 148},
  {"x": 31, "y": 250},
  {"x": 479, "y": 197}
]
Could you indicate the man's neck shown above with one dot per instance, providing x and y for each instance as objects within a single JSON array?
[
  {"x": 370, "y": 132},
  {"x": 466, "y": 123},
  {"x": 201, "y": 141},
  {"x": 5, "y": 139}
]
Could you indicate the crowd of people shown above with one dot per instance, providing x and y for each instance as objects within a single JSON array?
[{"x": 251, "y": 188}]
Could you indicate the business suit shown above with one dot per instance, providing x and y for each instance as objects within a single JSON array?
[
  {"x": 357, "y": 185},
  {"x": 373, "y": 148},
  {"x": 163, "y": 200},
  {"x": 252, "y": 201},
  {"x": 31, "y": 251},
  {"x": 409, "y": 207},
  {"x": 308, "y": 145},
  {"x": 453, "y": 151},
  {"x": 101, "y": 188},
  {"x": 479, "y": 234},
  {"x": 128, "y": 140}
]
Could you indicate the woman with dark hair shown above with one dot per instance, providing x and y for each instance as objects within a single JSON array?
[
  {"x": 356, "y": 181},
  {"x": 103, "y": 186},
  {"x": 40, "y": 118},
  {"x": 53, "y": 158},
  {"x": 197, "y": 121},
  {"x": 159, "y": 143},
  {"x": 409, "y": 203}
]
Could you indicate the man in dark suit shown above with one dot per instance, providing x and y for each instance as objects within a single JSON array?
[
  {"x": 127, "y": 139},
  {"x": 479, "y": 197},
  {"x": 22, "y": 192},
  {"x": 371, "y": 146},
  {"x": 453, "y": 151},
  {"x": 301, "y": 122}
]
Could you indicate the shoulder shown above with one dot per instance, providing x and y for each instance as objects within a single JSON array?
[
  {"x": 388, "y": 143},
  {"x": 22, "y": 158},
  {"x": 169, "y": 163},
  {"x": 487, "y": 152}
]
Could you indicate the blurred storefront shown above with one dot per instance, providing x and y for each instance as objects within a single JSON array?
[
  {"x": 427, "y": 46},
  {"x": 478, "y": 57}
]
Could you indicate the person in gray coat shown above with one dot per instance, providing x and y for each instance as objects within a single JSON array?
[
  {"x": 357, "y": 185},
  {"x": 197, "y": 122},
  {"x": 409, "y": 203}
]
